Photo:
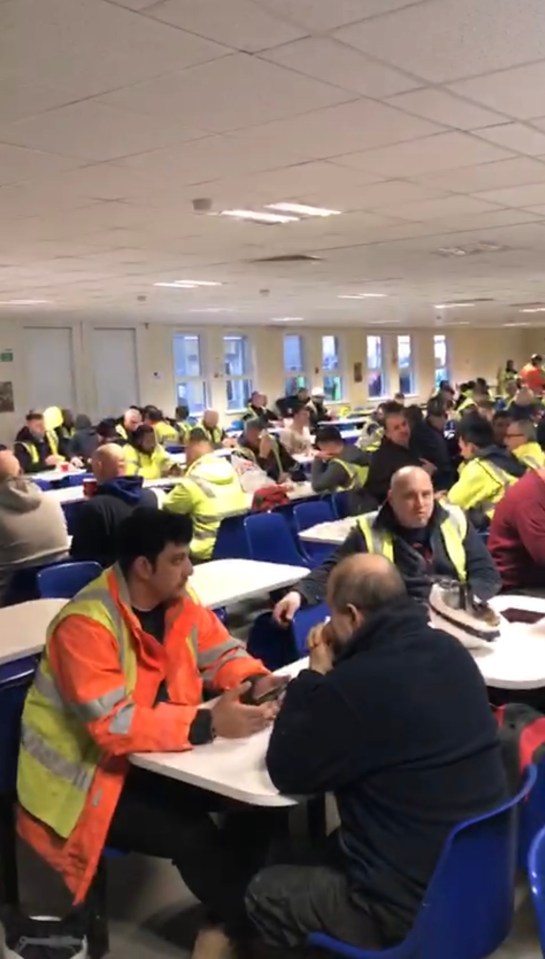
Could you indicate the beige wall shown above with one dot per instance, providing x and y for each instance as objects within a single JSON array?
[{"x": 472, "y": 354}]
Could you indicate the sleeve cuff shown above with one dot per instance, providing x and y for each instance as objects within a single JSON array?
[{"x": 201, "y": 730}]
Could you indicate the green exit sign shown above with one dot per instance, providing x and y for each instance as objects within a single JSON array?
[{"x": 6, "y": 356}]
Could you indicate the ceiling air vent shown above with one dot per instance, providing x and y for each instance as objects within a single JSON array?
[{"x": 288, "y": 258}]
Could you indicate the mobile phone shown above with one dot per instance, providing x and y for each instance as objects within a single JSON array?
[
  {"x": 516, "y": 615},
  {"x": 271, "y": 695}
]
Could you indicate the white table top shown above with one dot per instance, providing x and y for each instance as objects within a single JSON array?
[
  {"x": 23, "y": 627},
  {"x": 229, "y": 767},
  {"x": 334, "y": 532},
  {"x": 517, "y": 659},
  {"x": 225, "y": 581},
  {"x": 55, "y": 475}
]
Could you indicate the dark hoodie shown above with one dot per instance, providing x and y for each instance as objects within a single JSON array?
[
  {"x": 23, "y": 441},
  {"x": 401, "y": 732},
  {"x": 85, "y": 440},
  {"x": 97, "y": 519}
]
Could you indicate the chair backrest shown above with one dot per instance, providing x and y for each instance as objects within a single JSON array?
[
  {"x": 532, "y": 815},
  {"x": 231, "y": 541},
  {"x": 78, "y": 478},
  {"x": 44, "y": 485},
  {"x": 15, "y": 678},
  {"x": 311, "y": 513},
  {"x": 536, "y": 874},
  {"x": 174, "y": 448},
  {"x": 271, "y": 540},
  {"x": 341, "y": 503},
  {"x": 467, "y": 910},
  {"x": 24, "y": 583},
  {"x": 303, "y": 621},
  {"x": 64, "y": 580}
]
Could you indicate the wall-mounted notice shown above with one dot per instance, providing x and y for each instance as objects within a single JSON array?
[{"x": 6, "y": 397}]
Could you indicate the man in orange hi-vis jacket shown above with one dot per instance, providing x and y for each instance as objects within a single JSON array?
[{"x": 123, "y": 671}]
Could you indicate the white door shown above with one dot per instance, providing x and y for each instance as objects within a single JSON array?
[
  {"x": 114, "y": 369},
  {"x": 49, "y": 360}
]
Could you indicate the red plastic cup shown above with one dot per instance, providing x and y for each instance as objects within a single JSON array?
[
  {"x": 64, "y": 467},
  {"x": 89, "y": 487}
]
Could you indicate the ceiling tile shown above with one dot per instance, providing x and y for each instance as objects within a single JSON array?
[
  {"x": 519, "y": 92},
  {"x": 325, "y": 59},
  {"x": 344, "y": 128},
  {"x": 487, "y": 176},
  {"x": 18, "y": 165},
  {"x": 93, "y": 131},
  {"x": 442, "y": 152},
  {"x": 321, "y": 15},
  {"x": 239, "y": 24},
  {"x": 482, "y": 221},
  {"x": 526, "y": 196},
  {"x": 133, "y": 4},
  {"x": 451, "y": 39},
  {"x": 444, "y": 108},
  {"x": 516, "y": 137},
  {"x": 23, "y": 100},
  {"x": 438, "y": 209},
  {"x": 257, "y": 92}
]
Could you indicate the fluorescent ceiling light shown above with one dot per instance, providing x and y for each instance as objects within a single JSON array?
[
  {"x": 302, "y": 209},
  {"x": 260, "y": 217},
  {"x": 287, "y": 319},
  {"x": 361, "y": 296},
  {"x": 452, "y": 306},
  {"x": 188, "y": 284},
  {"x": 533, "y": 309},
  {"x": 515, "y": 324},
  {"x": 213, "y": 309},
  {"x": 23, "y": 302}
]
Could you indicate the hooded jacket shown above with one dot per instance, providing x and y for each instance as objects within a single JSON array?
[
  {"x": 96, "y": 520},
  {"x": 31, "y": 452},
  {"x": 401, "y": 732},
  {"x": 85, "y": 439},
  {"x": 32, "y": 527},
  {"x": 484, "y": 481}
]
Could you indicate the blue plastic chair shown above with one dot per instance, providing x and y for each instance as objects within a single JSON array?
[
  {"x": 341, "y": 504},
  {"x": 15, "y": 678},
  {"x": 303, "y": 621},
  {"x": 174, "y": 448},
  {"x": 270, "y": 539},
  {"x": 78, "y": 478},
  {"x": 532, "y": 816},
  {"x": 231, "y": 541},
  {"x": 536, "y": 874},
  {"x": 468, "y": 907},
  {"x": 308, "y": 514},
  {"x": 44, "y": 485},
  {"x": 64, "y": 580},
  {"x": 24, "y": 583},
  {"x": 273, "y": 644}
]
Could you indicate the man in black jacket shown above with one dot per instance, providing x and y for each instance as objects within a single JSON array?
[
  {"x": 393, "y": 453},
  {"x": 421, "y": 537},
  {"x": 428, "y": 443},
  {"x": 97, "y": 520},
  {"x": 36, "y": 448},
  {"x": 392, "y": 717}
]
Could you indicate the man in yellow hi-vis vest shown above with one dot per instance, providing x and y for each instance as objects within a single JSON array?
[
  {"x": 35, "y": 447},
  {"x": 424, "y": 539}
]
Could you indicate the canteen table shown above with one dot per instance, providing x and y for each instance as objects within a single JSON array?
[
  {"x": 224, "y": 581},
  {"x": 234, "y": 768},
  {"x": 56, "y": 475},
  {"x": 333, "y": 532},
  {"x": 23, "y": 628},
  {"x": 516, "y": 660}
]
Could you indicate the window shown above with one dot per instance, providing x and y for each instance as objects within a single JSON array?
[
  {"x": 332, "y": 380},
  {"x": 405, "y": 363},
  {"x": 191, "y": 386},
  {"x": 376, "y": 379},
  {"x": 440, "y": 352},
  {"x": 238, "y": 369},
  {"x": 294, "y": 363}
]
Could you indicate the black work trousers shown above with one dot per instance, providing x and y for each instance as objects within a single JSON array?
[{"x": 161, "y": 817}]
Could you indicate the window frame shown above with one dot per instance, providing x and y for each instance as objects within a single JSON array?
[
  {"x": 438, "y": 369},
  {"x": 192, "y": 379},
  {"x": 246, "y": 377},
  {"x": 411, "y": 368},
  {"x": 333, "y": 372},
  {"x": 382, "y": 370},
  {"x": 295, "y": 379}
]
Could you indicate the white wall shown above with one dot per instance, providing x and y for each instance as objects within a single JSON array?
[{"x": 472, "y": 353}]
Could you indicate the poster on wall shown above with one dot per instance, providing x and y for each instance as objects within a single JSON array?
[{"x": 6, "y": 397}]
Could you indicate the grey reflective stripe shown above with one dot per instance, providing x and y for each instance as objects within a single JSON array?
[
  {"x": 65, "y": 769},
  {"x": 202, "y": 533},
  {"x": 47, "y": 688},
  {"x": 193, "y": 640},
  {"x": 205, "y": 487},
  {"x": 209, "y": 656},
  {"x": 122, "y": 721},
  {"x": 105, "y": 598},
  {"x": 97, "y": 708},
  {"x": 210, "y": 674},
  {"x": 531, "y": 462}
]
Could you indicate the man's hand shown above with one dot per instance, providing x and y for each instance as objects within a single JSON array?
[
  {"x": 319, "y": 642},
  {"x": 268, "y": 684},
  {"x": 322, "y": 455},
  {"x": 228, "y": 442},
  {"x": 233, "y": 720},
  {"x": 53, "y": 460},
  {"x": 286, "y": 608},
  {"x": 76, "y": 462}
]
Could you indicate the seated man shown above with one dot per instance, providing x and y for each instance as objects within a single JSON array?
[
  {"x": 286, "y": 405},
  {"x": 124, "y": 670},
  {"x": 338, "y": 465},
  {"x": 32, "y": 523},
  {"x": 424, "y": 538},
  {"x": 165, "y": 432},
  {"x": 35, "y": 448},
  {"x": 317, "y": 408},
  {"x": 521, "y": 441},
  {"x": 263, "y": 450},
  {"x": 517, "y": 534},
  {"x": 97, "y": 520},
  {"x": 393, "y": 453},
  {"x": 129, "y": 422},
  {"x": 296, "y": 437},
  {"x": 144, "y": 455},
  {"x": 183, "y": 426},
  {"x": 85, "y": 439},
  {"x": 392, "y": 716},
  {"x": 209, "y": 489},
  {"x": 428, "y": 442},
  {"x": 257, "y": 409},
  {"x": 215, "y": 434},
  {"x": 487, "y": 473},
  {"x": 500, "y": 425}
]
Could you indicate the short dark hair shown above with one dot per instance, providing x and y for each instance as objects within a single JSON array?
[
  {"x": 140, "y": 432},
  {"x": 328, "y": 434},
  {"x": 475, "y": 429},
  {"x": 147, "y": 531},
  {"x": 537, "y": 358},
  {"x": 392, "y": 408},
  {"x": 413, "y": 414},
  {"x": 153, "y": 413},
  {"x": 182, "y": 411},
  {"x": 299, "y": 407},
  {"x": 368, "y": 590},
  {"x": 107, "y": 429},
  {"x": 34, "y": 415},
  {"x": 436, "y": 406},
  {"x": 501, "y": 415},
  {"x": 198, "y": 436}
]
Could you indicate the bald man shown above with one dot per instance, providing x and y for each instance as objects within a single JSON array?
[
  {"x": 32, "y": 524},
  {"x": 424, "y": 538},
  {"x": 392, "y": 717},
  {"x": 96, "y": 520}
]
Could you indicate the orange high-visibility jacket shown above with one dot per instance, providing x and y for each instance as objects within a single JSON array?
[{"x": 83, "y": 702}]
